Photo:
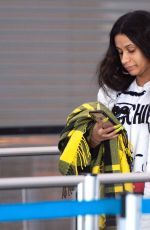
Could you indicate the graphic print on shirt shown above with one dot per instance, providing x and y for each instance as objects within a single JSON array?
[
  {"x": 130, "y": 114},
  {"x": 132, "y": 93},
  {"x": 134, "y": 111}
]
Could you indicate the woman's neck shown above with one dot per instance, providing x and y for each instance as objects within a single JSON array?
[{"x": 143, "y": 78}]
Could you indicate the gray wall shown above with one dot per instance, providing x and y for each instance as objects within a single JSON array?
[{"x": 49, "y": 51}]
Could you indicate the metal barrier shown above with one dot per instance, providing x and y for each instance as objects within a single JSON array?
[
  {"x": 29, "y": 151},
  {"x": 55, "y": 181},
  {"x": 89, "y": 191},
  {"x": 87, "y": 187}
]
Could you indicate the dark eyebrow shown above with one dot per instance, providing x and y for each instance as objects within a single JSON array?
[
  {"x": 130, "y": 45},
  {"x": 127, "y": 46}
]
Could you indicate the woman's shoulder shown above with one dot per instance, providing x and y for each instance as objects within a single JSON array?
[
  {"x": 107, "y": 97},
  {"x": 136, "y": 88}
]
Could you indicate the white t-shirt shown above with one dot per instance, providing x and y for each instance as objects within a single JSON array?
[{"x": 132, "y": 108}]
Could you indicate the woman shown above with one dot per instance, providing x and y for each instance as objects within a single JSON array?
[{"x": 124, "y": 80}]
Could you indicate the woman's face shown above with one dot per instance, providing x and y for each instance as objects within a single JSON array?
[{"x": 133, "y": 59}]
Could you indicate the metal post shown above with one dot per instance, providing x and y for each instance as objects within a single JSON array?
[
  {"x": 121, "y": 219},
  {"x": 24, "y": 222},
  {"x": 80, "y": 219},
  {"x": 97, "y": 196},
  {"x": 132, "y": 217},
  {"x": 133, "y": 212},
  {"x": 90, "y": 193}
]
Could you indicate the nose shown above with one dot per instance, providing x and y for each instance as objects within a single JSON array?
[{"x": 125, "y": 58}]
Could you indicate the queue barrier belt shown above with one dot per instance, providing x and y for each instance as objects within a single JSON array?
[
  {"x": 57, "y": 209},
  {"x": 63, "y": 209}
]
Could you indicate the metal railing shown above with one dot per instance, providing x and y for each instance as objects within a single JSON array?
[
  {"x": 89, "y": 190},
  {"x": 55, "y": 181},
  {"x": 87, "y": 186},
  {"x": 29, "y": 151}
]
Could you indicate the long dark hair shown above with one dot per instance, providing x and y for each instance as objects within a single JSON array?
[{"x": 136, "y": 26}]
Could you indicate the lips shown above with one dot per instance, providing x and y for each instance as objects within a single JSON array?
[{"x": 129, "y": 68}]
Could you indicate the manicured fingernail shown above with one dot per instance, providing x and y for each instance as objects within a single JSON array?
[
  {"x": 117, "y": 130},
  {"x": 117, "y": 126},
  {"x": 105, "y": 119}
]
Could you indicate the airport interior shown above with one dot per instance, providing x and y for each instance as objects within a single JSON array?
[{"x": 49, "y": 51}]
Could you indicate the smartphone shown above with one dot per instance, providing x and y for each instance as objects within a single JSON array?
[{"x": 99, "y": 115}]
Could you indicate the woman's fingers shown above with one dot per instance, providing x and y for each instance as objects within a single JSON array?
[
  {"x": 108, "y": 130},
  {"x": 107, "y": 133},
  {"x": 110, "y": 135},
  {"x": 102, "y": 133}
]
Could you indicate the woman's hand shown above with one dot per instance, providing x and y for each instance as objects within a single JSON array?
[{"x": 103, "y": 131}]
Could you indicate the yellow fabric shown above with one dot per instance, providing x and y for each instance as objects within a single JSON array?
[
  {"x": 124, "y": 168},
  {"x": 102, "y": 222},
  {"x": 75, "y": 150},
  {"x": 96, "y": 169},
  {"x": 118, "y": 189},
  {"x": 87, "y": 106}
]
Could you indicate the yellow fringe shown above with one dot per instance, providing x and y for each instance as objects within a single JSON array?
[
  {"x": 102, "y": 222},
  {"x": 96, "y": 169},
  {"x": 76, "y": 149},
  {"x": 124, "y": 167}
]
